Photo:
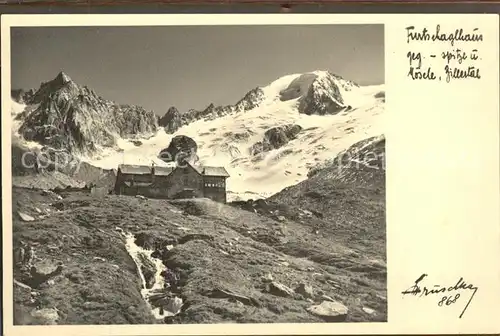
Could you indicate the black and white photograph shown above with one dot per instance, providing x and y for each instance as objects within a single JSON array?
[{"x": 198, "y": 174}]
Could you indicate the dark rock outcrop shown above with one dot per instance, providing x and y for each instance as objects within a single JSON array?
[
  {"x": 275, "y": 138},
  {"x": 238, "y": 136},
  {"x": 181, "y": 148},
  {"x": 171, "y": 121},
  {"x": 22, "y": 97},
  {"x": 323, "y": 97}
]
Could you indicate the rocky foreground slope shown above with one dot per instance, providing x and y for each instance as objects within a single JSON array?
[{"x": 314, "y": 252}]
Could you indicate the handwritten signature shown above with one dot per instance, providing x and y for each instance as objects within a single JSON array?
[{"x": 451, "y": 291}]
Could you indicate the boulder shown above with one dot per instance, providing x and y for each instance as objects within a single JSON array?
[
  {"x": 305, "y": 290},
  {"x": 369, "y": 311},
  {"x": 220, "y": 293},
  {"x": 330, "y": 311},
  {"x": 174, "y": 305},
  {"x": 45, "y": 316},
  {"x": 268, "y": 277},
  {"x": 279, "y": 289},
  {"x": 25, "y": 217}
]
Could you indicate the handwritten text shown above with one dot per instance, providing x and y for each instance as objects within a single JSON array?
[
  {"x": 452, "y": 63},
  {"x": 448, "y": 295}
]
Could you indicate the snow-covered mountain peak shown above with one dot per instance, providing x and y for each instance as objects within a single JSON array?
[{"x": 273, "y": 89}]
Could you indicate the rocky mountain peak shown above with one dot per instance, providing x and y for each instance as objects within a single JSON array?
[
  {"x": 61, "y": 84},
  {"x": 68, "y": 116},
  {"x": 324, "y": 96},
  {"x": 171, "y": 121},
  {"x": 251, "y": 100},
  {"x": 63, "y": 78},
  {"x": 210, "y": 107}
]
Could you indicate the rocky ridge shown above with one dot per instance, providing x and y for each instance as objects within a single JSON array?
[
  {"x": 173, "y": 119},
  {"x": 317, "y": 92}
]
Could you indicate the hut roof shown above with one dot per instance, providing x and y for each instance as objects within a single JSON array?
[
  {"x": 164, "y": 171},
  {"x": 215, "y": 171},
  {"x": 134, "y": 169},
  {"x": 138, "y": 184}
]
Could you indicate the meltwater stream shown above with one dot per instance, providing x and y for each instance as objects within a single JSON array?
[{"x": 158, "y": 298}]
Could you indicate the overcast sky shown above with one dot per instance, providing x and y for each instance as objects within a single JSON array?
[{"x": 192, "y": 66}]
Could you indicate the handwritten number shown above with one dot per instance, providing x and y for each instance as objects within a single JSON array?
[
  {"x": 448, "y": 300},
  {"x": 451, "y": 301},
  {"x": 440, "y": 303}
]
